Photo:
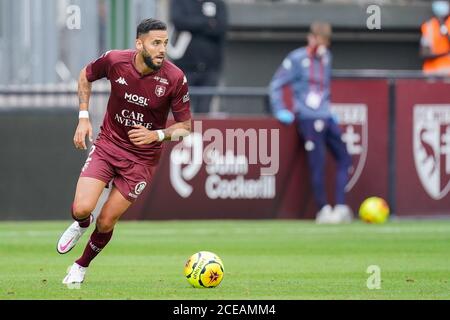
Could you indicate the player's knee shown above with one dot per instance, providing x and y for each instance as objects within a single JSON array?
[
  {"x": 82, "y": 209},
  {"x": 105, "y": 224}
]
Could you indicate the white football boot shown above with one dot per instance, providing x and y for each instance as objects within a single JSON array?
[
  {"x": 75, "y": 274},
  {"x": 70, "y": 237},
  {"x": 344, "y": 213},
  {"x": 324, "y": 214}
]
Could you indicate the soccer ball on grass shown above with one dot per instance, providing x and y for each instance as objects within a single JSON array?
[
  {"x": 204, "y": 269},
  {"x": 374, "y": 210}
]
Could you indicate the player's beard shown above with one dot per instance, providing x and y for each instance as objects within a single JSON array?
[{"x": 148, "y": 60}]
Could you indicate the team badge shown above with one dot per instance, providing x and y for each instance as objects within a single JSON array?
[
  {"x": 431, "y": 145},
  {"x": 352, "y": 118},
  {"x": 160, "y": 90},
  {"x": 140, "y": 187}
]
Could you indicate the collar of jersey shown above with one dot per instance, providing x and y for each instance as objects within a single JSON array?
[{"x": 137, "y": 71}]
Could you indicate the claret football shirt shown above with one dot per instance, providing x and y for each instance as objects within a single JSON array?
[{"x": 138, "y": 100}]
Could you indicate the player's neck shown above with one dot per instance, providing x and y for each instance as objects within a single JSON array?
[
  {"x": 311, "y": 50},
  {"x": 140, "y": 65}
]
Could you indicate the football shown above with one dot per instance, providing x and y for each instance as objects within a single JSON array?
[
  {"x": 374, "y": 210},
  {"x": 204, "y": 269}
]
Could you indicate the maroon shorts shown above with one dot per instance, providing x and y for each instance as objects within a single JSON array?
[{"x": 129, "y": 177}]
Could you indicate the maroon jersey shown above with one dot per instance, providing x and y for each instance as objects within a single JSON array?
[{"x": 139, "y": 100}]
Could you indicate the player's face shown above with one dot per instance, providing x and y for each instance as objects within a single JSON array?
[
  {"x": 312, "y": 42},
  {"x": 317, "y": 40},
  {"x": 152, "y": 46}
]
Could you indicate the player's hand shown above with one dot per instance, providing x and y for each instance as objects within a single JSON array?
[
  {"x": 84, "y": 128},
  {"x": 140, "y": 135},
  {"x": 285, "y": 116},
  {"x": 321, "y": 50}
]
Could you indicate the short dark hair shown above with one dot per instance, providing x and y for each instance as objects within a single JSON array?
[{"x": 147, "y": 25}]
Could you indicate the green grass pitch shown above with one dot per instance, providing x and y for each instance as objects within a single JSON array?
[{"x": 262, "y": 259}]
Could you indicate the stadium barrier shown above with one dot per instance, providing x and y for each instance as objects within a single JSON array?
[{"x": 396, "y": 127}]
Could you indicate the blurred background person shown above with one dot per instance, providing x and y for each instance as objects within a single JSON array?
[
  {"x": 435, "y": 41},
  {"x": 198, "y": 43},
  {"x": 308, "y": 71}
]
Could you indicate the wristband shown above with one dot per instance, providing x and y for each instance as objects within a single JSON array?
[
  {"x": 161, "y": 135},
  {"x": 83, "y": 114}
]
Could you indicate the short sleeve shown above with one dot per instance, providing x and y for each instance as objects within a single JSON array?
[
  {"x": 181, "y": 109},
  {"x": 99, "y": 68}
]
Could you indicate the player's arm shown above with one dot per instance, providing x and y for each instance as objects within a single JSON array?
[
  {"x": 95, "y": 70},
  {"x": 141, "y": 135},
  {"x": 285, "y": 75},
  {"x": 84, "y": 125},
  {"x": 177, "y": 130}
]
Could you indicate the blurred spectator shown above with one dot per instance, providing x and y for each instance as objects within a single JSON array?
[
  {"x": 435, "y": 41},
  {"x": 200, "y": 28},
  {"x": 307, "y": 71}
]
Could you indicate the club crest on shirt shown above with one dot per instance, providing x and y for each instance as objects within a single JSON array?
[{"x": 160, "y": 90}]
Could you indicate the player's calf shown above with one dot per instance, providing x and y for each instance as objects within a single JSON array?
[
  {"x": 105, "y": 224},
  {"x": 96, "y": 243}
]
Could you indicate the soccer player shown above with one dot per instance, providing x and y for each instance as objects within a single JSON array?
[
  {"x": 308, "y": 71},
  {"x": 144, "y": 88}
]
